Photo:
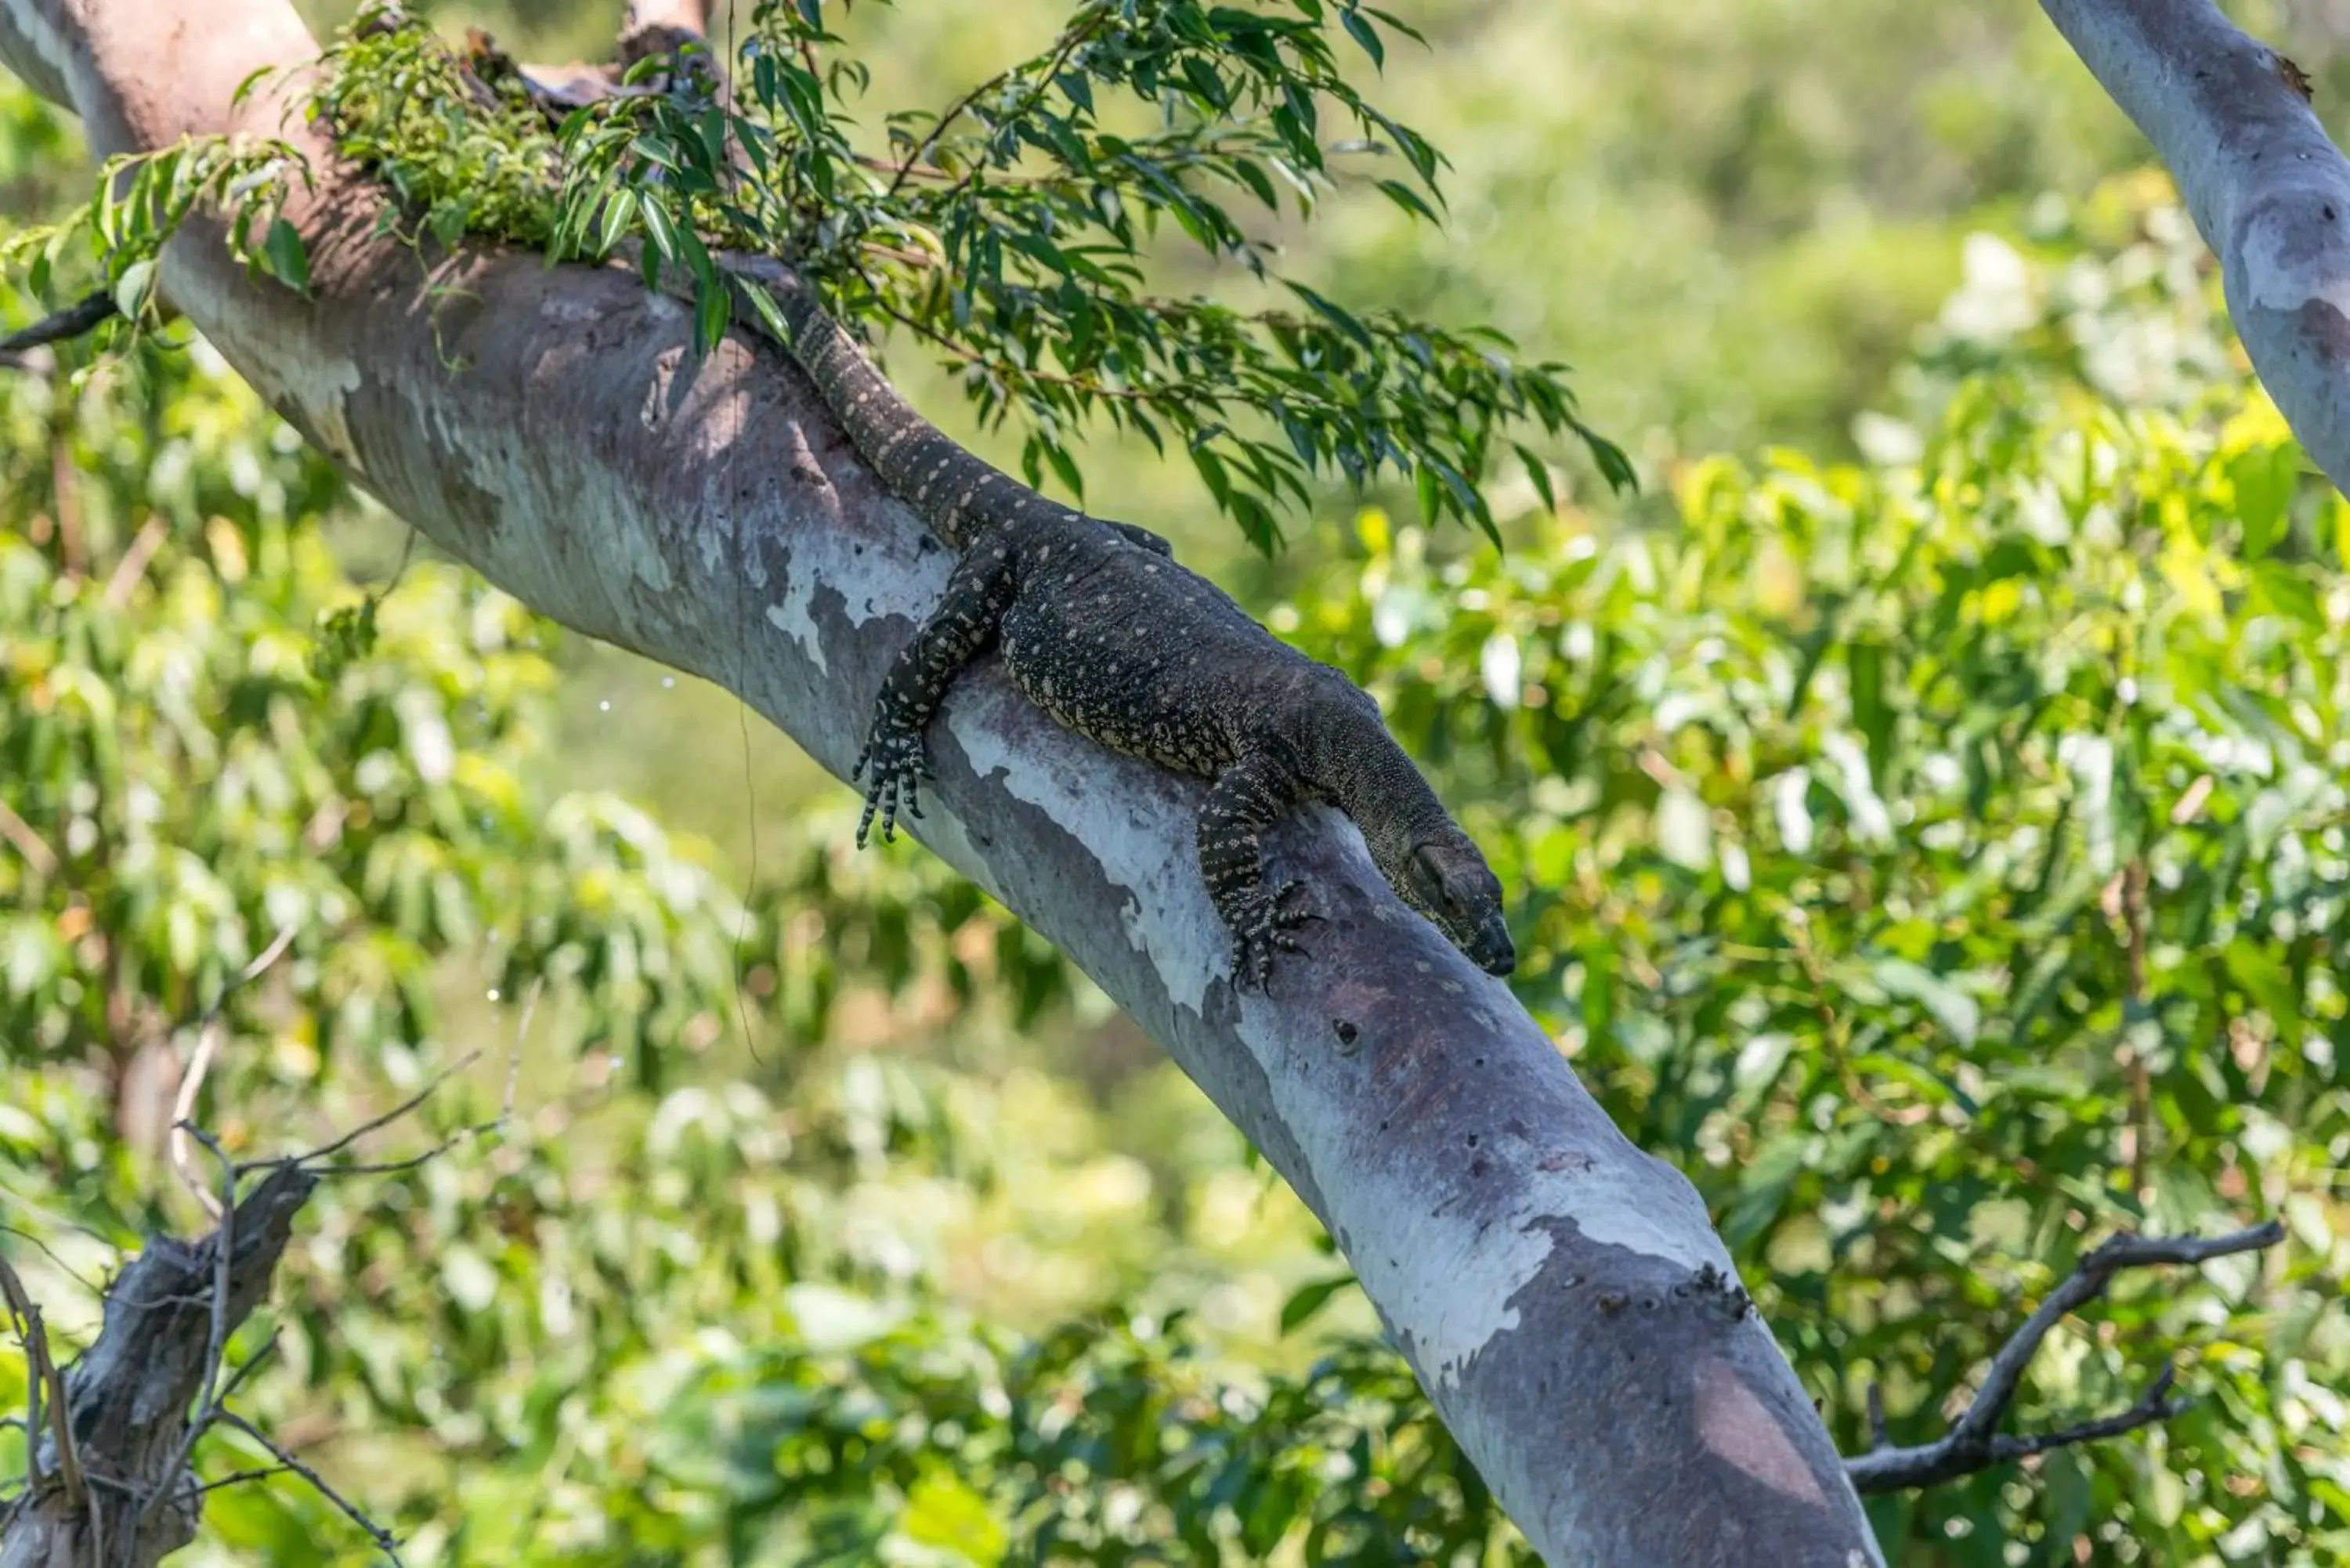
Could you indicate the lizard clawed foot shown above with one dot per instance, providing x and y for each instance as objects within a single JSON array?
[
  {"x": 898, "y": 763},
  {"x": 1262, "y": 925}
]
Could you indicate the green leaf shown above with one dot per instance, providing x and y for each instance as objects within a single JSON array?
[
  {"x": 768, "y": 311},
  {"x": 1538, "y": 473},
  {"x": 1953, "y": 1008},
  {"x": 2284, "y": 590},
  {"x": 711, "y": 313},
  {"x": 2264, "y": 479},
  {"x": 619, "y": 212},
  {"x": 943, "y": 1513},
  {"x": 661, "y": 229},
  {"x": 133, "y": 290},
  {"x": 1066, "y": 468},
  {"x": 287, "y": 260},
  {"x": 1306, "y": 1302}
]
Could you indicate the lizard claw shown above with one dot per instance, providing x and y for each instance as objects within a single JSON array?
[
  {"x": 898, "y": 764},
  {"x": 1266, "y": 925}
]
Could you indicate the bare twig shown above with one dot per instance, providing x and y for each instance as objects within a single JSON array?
[
  {"x": 384, "y": 1541},
  {"x": 328, "y": 1151},
  {"x": 26, "y": 1318},
  {"x": 133, "y": 564},
  {"x": 216, "y": 1344},
  {"x": 45, "y": 1406},
  {"x": 462, "y": 1135},
  {"x": 86, "y": 315},
  {"x": 208, "y": 1035},
  {"x": 29, "y": 844},
  {"x": 1975, "y": 1442},
  {"x": 35, "y": 1243},
  {"x": 241, "y": 1478}
]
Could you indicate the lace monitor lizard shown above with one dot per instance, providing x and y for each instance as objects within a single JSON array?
[{"x": 1100, "y": 628}]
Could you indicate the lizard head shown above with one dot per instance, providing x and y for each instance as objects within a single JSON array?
[{"x": 1446, "y": 879}]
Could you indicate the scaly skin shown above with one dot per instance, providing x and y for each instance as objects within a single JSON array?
[{"x": 1101, "y": 629}]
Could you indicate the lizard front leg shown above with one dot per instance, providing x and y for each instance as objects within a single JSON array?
[
  {"x": 1246, "y": 800},
  {"x": 958, "y": 631}
]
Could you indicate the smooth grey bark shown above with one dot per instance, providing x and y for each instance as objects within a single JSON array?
[
  {"x": 2266, "y": 186},
  {"x": 1560, "y": 1293}
]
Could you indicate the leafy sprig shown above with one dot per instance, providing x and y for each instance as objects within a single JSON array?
[
  {"x": 1010, "y": 232},
  {"x": 139, "y": 200}
]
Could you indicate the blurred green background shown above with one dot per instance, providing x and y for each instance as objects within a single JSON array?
[{"x": 1923, "y": 808}]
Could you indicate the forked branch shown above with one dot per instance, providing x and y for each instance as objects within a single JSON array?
[{"x": 1975, "y": 1442}]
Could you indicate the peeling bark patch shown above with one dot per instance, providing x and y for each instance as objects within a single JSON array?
[
  {"x": 1453, "y": 1290},
  {"x": 794, "y": 617},
  {"x": 1735, "y": 1424},
  {"x": 660, "y": 399},
  {"x": 894, "y": 574},
  {"x": 2327, "y": 328},
  {"x": 310, "y": 394},
  {"x": 2288, "y": 251}
]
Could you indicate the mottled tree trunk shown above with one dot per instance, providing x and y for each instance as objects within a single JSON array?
[
  {"x": 1560, "y": 1293},
  {"x": 2266, "y": 186}
]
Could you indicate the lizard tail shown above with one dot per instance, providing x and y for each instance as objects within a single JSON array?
[{"x": 956, "y": 492}]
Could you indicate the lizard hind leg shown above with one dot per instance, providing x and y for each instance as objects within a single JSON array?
[
  {"x": 899, "y": 762},
  {"x": 1246, "y": 800},
  {"x": 895, "y": 760}
]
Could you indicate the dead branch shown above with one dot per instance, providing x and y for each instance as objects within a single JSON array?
[
  {"x": 1974, "y": 1442},
  {"x": 87, "y": 314},
  {"x": 111, "y": 1443},
  {"x": 126, "y": 1408}
]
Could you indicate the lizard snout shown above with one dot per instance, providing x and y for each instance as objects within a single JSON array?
[{"x": 1491, "y": 950}]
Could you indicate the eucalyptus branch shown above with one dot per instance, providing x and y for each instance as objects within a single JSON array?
[{"x": 1037, "y": 280}]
